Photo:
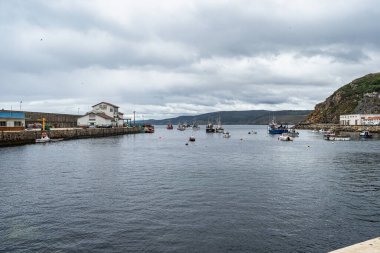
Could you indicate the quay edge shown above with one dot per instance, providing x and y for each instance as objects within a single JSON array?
[
  {"x": 370, "y": 246},
  {"x": 338, "y": 128},
  {"x": 13, "y": 138}
]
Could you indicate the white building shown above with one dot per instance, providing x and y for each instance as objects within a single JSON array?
[
  {"x": 102, "y": 115},
  {"x": 12, "y": 118},
  {"x": 359, "y": 119},
  {"x": 372, "y": 120}
]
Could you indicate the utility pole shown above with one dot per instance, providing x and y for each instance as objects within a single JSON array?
[
  {"x": 20, "y": 105},
  {"x": 134, "y": 118}
]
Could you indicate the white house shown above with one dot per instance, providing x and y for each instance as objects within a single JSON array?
[
  {"x": 102, "y": 115},
  {"x": 359, "y": 119}
]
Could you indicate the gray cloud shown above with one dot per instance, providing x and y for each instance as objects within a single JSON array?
[{"x": 174, "y": 57}]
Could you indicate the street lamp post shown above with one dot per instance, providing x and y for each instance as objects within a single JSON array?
[{"x": 20, "y": 105}]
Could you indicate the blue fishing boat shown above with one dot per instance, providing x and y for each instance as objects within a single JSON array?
[{"x": 274, "y": 128}]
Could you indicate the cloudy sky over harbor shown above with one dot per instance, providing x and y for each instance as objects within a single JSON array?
[{"x": 169, "y": 58}]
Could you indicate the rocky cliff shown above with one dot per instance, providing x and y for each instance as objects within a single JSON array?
[{"x": 359, "y": 96}]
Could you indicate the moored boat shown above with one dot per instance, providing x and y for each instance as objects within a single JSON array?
[
  {"x": 226, "y": 135},
  {"x": 285, "y": 137},
  {"x": 45, "y": 138},
  {"x": 148, "y": 128},
  {"x": 333, "y": 137},
  {"x": 365, "y": 134},
  {"x": 210, "y": 128},
  {"x": 274, "y": 128},
  {"x": 191, "y": 138},
  {"x": 169, "y": 126},
  {"x": 219, "y": 128},
  {"x": 195, "y": 126},
  {"x": 181, "y": 127},
  {"x": 293, "y": 133}
]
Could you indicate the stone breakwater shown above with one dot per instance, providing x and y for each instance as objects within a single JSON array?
[
  {"x": 10, "y": 138},
  {"x": 339, "y": 128}
]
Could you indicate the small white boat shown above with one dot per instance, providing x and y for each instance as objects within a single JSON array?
[
  {"x": 226, "y": 135},
  {"x": 365, "y": 134},
  {"x": 285, "y": 137},
  {"x": 192, "y": 138},
  {"x": 181, "y": 127},
  {"x": 293, "y": 133},
  {"x": 333, "y": 137},
  {"x": 341, "y": 138},
  {"x": 43, "y": 140}
]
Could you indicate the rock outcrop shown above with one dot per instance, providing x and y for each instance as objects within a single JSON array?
[{"x": 359, "y": 96}]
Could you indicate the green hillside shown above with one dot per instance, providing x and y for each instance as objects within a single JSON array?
[{"x": 359, "y": 96}]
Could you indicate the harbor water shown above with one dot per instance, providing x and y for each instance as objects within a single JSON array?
[{"x": 154, "y": 193}]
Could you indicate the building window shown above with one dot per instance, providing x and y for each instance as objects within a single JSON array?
[
  {"x": 111, "y": 110},
  {"x": 17, "y": 123},
  {"x": 3, "y": 123}
]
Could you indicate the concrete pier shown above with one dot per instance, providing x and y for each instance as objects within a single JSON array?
[
  {"x": 339, "y": 128},
  {"x": 370, "y": 246},
  {"x": 11, "y": 138}
]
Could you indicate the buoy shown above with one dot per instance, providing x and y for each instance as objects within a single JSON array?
[
  {"x": 187, "y": 144},
  {"x": 249, "y": 132}
]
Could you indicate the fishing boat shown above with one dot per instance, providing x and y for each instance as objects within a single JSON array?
[
  {"x": 195, "y": 127},
  {"x": 274, "y": 128},
  {"x": 169, "y": 126},
  {"x": 210, "y": 128},
  {"x": 365, "y": 134},
  {"x": 219, "y": 128}
]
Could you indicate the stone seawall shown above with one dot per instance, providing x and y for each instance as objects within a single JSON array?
[
  {"x": 339, "y": 128},
  {"x": 27, "y": 137}
]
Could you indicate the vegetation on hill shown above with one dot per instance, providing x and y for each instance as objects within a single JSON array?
[
  {"x": 253, "y": 117},
  {"x": 359, "y": 96}
]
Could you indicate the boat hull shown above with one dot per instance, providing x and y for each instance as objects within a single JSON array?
[{"x": 277, "y": 131}]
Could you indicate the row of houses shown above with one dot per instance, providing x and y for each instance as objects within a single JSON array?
[{"x": 103, "y": 114}]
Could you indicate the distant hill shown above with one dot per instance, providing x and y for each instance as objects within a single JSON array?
[
  {"x": 359, "y": 96},
  {"x": 253, "y": 117}
]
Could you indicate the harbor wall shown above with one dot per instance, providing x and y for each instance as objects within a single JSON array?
[
  {"x": 52, "y": 119},
  {"x": 339, "y": 128},
  {"x": 10, "y": 138}
]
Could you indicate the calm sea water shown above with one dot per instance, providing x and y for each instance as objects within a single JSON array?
[{"x": 153, "y": 193}]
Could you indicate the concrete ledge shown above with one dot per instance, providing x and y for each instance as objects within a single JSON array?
[
  {"x": 11, "y": 138},
  {"x": 370, "y": 246},
  {"x": 339, "y": 128}
]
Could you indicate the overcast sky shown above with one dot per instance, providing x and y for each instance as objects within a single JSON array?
[{"x": 169, "y": 58}]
